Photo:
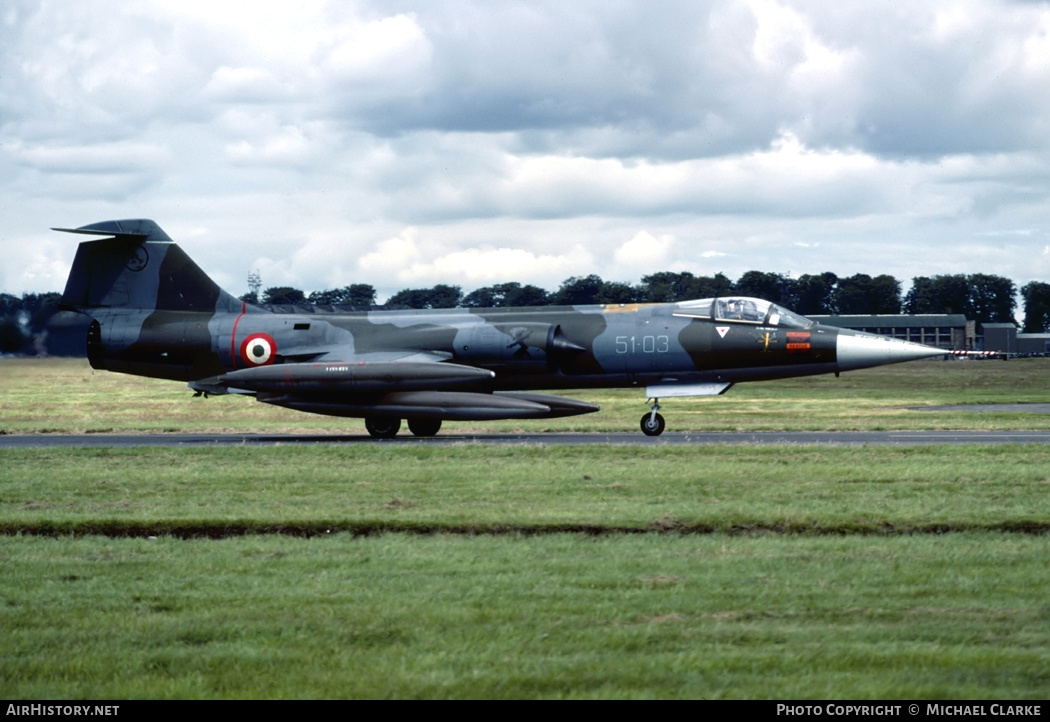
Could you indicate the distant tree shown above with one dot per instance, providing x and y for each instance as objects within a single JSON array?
[
  {"x": 660, "y": 288},
  {"x": 1036, "y": 297},
  {"x": 527, "y": 295},
  {"x": 667, "y": 286},
  {"x": 815, "y": 294},
  {"x": 578, "y": 291},
  {"x": 356, "y": 294},
  {"x": 486, "y": 297},
  {"x": 360, "y": 294},
  {"x": 328, "y": 297},
  {"x": 283, "y": 295},
  {"x": 886, "y": 294},
  {"x": 440, "y": 296},
  {"x": 410, "y": 298},
  {"x": 710, "y": 287},
  {"x": 40, "y": 307},
  {"x": 9, "y": 305},
  {"x": 774, "y": 287},
  {"x": 503, "y": 295},
  {"x": 12, "y": 340},
  {"x": 993, "y": 299},
  {"x": 938, "y": 294},
  {"x": 444, "y": 296},
  {"x": 921, "y": 297},
  {"x": 862, "y": 294},
  {"x": 979, "y": 296},
  {"x": 616, "y": 292},
  {"x": 670, "y": 287}
]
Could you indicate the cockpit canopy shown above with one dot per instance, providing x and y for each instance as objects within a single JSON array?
[{"x": 741, "y": 309}]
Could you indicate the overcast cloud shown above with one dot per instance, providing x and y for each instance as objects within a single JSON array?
[{"x": 405, "y": 144}]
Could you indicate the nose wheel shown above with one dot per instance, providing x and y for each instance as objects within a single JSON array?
[{"x": 652, "y": 423}]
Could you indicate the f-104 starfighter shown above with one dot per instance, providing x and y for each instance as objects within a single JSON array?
[{"x": 155, "y": 313}]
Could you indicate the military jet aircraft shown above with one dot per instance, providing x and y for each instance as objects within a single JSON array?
[{"x": 156, "y": 313}]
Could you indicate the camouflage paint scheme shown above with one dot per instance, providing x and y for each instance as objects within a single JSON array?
[{"x": 156, "y": 313}]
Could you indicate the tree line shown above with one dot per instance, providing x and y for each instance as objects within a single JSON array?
[
  {"x": 23, "y": 320},
  {"x": 981, "y": 297}
]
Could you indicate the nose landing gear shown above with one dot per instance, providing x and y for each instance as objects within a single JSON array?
[{"x": 652, "y": 423}]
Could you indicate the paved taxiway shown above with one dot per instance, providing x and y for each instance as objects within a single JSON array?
[{"x": 832, "y": 438}]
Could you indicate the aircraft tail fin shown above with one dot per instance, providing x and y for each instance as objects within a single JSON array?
[{"x": 138, "y": 266}]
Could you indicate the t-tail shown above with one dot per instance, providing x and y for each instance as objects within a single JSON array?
[{"x": 150, "y": 304}]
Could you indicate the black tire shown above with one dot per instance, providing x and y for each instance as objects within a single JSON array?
[
  {"x": 381, "y": 427},
  {"x": 653, "y": 426},
  {"x": 424, "y": 427}
]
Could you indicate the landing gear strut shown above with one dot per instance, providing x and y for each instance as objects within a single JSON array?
[{"x": 652, "y": 423}]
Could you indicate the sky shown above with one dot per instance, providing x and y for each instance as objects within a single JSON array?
[{"x": 407, "y": 144}]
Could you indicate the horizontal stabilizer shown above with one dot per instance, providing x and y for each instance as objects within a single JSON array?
[{"x": 134, "y": 228}]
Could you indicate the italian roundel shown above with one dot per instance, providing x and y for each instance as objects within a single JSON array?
[{"x": 258, "y": 349}]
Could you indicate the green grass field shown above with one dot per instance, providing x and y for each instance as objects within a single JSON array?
[
  {"x": 961, "y": 616},
  {"x": 67, "y": 396},
  {"x": 452, "y": 571}
]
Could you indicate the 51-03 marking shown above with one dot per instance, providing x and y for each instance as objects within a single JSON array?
[{"x": 643, "y": 344}]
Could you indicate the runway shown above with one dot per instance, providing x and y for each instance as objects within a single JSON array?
[{"x": 826, "y": 438}]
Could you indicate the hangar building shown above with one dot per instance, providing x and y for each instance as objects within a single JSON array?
[
  {"x": 1004, "y": 337},
  {"x": 950, "y": 331}
]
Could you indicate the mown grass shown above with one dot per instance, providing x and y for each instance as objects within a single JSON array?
[
  {"x": 466, "y": 486},
  {"x": 464, "y": 570},
  {"x": 651, "y": 616},
  {"x": 67, "y": 396},
  {"x": 714, "y": 572}
]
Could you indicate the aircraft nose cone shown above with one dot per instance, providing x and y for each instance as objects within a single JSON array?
[{"x": 861, "y": 351}]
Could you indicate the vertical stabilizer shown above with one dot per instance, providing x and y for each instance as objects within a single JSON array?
[{"x": 138, "y": 266}]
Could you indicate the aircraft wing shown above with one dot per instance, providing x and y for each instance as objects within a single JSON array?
[{"x": 387, "y": 384}]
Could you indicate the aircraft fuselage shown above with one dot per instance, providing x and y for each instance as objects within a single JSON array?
[{"x": 554, "y": 347}]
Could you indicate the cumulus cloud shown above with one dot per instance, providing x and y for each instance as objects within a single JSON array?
[
  {"x": 472, "y": 143},
  {"x": 644, "y": 251},
  {"x": 378, "y": 51},
  {"x": 408, "y": 261},
  {"x": 394, "y": 256}
]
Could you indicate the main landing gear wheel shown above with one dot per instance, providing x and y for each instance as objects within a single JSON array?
[
  {"x": 424, "y": 427},
  {"x": 381, "y": 427},
  {"x": 653, "y": 424}
]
